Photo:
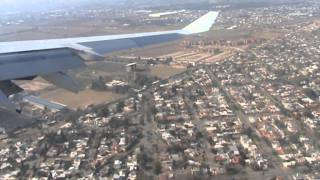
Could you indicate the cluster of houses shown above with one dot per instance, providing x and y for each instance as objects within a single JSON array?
[
  {"x": 12, "y": 157},
  {"x": 126, "y": 168},
  {"x": 267, "y": 16},
  {"x": 210, "y": 102},
  {"x": 296, "y": 74},
  {"x": 240, "y": 86},
  {"x": 193, "y": 107},
  {"x": 80, "y": 147},
  {"x": 291, "y": 146},
  {"x": 275, "y": 85},
  {"x": 174, "y": 121}
]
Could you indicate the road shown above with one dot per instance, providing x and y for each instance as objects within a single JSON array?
[{"x": 262, "y": 144}]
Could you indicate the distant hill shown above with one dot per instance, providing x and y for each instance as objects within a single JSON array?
[
  {"x": 164, "y": 2},
  {"x": 45, "y": 5},
  {"x": 199, "y": 4}
]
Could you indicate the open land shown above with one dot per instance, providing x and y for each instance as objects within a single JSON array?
[
  {"x": 164, "y": 71},
  {"x": 82, "y": 99},
  {"x": 247, "y": 106}
]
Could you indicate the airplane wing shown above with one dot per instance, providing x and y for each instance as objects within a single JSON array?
[{"x": 51, "y": 58}]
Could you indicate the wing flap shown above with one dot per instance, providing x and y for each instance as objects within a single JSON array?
[
  {"x": 108, "y": 46},
  {"x": 112, "y": 42},
  {"x": 50, "y": 58},
  {"x": 33, "y": 63},
  {"x": 9, "y": 88},
  {"x": 62, "y": 80}
]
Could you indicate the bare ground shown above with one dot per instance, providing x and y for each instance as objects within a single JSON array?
[
  {"x": 164, "y": 71},
  {"x": 82, "y": 99}
]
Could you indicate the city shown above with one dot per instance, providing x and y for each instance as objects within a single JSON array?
[{"x": 239, "y": 102}]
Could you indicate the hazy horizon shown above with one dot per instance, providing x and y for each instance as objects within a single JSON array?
[{"x": 7, "y": 6}]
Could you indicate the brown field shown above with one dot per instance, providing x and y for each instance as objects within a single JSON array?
[
  {"x": 164, "y": 71},
  {"x": 152, "y": 51},
  {"x": 65, "y": 28},
  {"x": 82, "y": 99},
  {"x": 314, "y": 25},
  {"x": 267, "y": 34},
  {"x": 34, "y": 85}
]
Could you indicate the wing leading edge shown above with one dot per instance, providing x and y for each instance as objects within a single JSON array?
[
  {"x": 202, "y": 24},
  {"x": 52, "y": 58}
]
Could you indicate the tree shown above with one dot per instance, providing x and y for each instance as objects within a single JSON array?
[
  {"x": 232, "y": 170},
  {"x": 143, "y": 159},
  {"x": 168, "y": 60},
  {"x": 23, "y": 168},
  {"x": 98, "y": 84},
  {"x": 104, "y": 112},
  {"x": 12, "y": 161},
  {"x": 157, "y": 167},
  {"x": 217, "y": 51},
  {"x": 174, "y": 90},
  {"x": 199, "y": 135},
  {"x": 175, "y": 148},
  {"x": 294, "y": 138},
  {"x": 248, "y": 131},
  {"x": 120, "y": 106},
  {"x": 311, "y": 94}
]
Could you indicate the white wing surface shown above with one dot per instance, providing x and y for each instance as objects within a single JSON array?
[{"x": 53, "y": 57}]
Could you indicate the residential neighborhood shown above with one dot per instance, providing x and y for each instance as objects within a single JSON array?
[{"x": 234, "y": 108}]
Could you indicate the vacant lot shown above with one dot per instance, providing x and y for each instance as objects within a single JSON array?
[
  {"x": 82, "y": 99},
  {"x": 164, "y": 71}
]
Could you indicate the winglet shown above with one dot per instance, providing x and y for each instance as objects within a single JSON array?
[{"x": 203, "y": 24}]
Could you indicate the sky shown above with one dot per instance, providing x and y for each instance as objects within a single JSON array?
[
  {"x": 40, "y": 5},
  {"x": 36, "y": 5},
  {"x": 45, "y": 5}
]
